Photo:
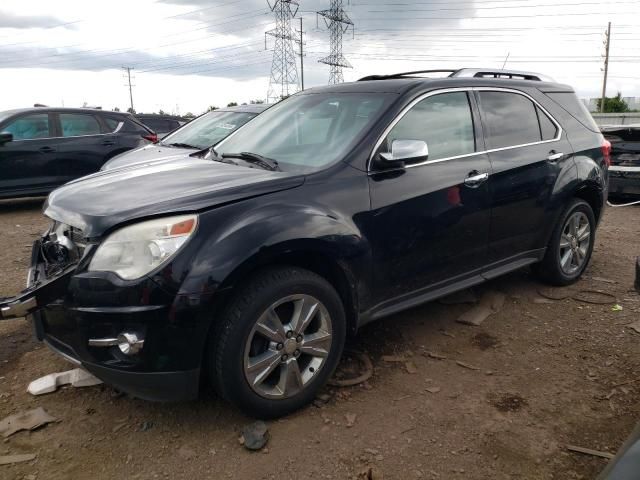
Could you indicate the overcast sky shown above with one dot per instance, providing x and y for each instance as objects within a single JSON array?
[{"x": 189, "y": 54}]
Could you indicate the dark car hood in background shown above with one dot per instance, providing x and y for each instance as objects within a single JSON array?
[
  {"x": 100, "y": 201},
  {"x": 146, "y": 154}
]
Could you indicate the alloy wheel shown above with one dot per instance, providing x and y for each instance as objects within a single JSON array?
[
  {"x": 287, "y": 346},
  {"x": 575, "y": 241}
]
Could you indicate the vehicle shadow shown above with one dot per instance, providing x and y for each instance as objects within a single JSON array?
[{"x": 21, "y": 204}]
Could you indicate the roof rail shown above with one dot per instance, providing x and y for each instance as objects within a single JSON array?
[
  {"x": 406, "y": 74},
  {"x": 497, "y": 73}
]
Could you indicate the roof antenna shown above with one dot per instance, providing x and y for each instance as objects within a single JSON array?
[{"x": 505, "y": 60}]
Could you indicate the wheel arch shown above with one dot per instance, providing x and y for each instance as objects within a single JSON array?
[
  {"x": 312, "y": 256},
  {"x": 592, "y": 193}
]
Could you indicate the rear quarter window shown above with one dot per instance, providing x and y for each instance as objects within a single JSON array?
[{"x": 574, "y": 107}]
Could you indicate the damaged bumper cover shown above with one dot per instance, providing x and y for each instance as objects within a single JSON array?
[{"x": 70, "y": 308}]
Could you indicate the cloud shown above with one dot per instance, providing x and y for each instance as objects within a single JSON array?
[{"x": 11, "y": 20}]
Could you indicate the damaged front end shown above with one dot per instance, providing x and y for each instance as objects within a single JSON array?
[{"x": 54, "y": 258}]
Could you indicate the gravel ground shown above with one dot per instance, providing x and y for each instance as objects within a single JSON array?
[{"x": 498, "y": 401}]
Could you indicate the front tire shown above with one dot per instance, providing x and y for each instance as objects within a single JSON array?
[
  {"x": 278, "y": 341},
  {"x": 570, "y": 247}
]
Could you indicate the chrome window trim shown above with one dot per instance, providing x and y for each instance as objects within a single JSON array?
[
  {"x": 453, "y": 90},
  {"x": 56, "y": 138}
]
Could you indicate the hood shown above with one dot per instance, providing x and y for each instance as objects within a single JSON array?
[
  {"x": 103, "y": 200},
  {"x": 140, "y": 156}
]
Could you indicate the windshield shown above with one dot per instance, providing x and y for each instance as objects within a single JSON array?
[
  {"x": 208, "y": 129},
  {"x": 310, "y": 131}
]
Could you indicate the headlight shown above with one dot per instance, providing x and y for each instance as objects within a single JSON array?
[{"x": 135, "y": 250}]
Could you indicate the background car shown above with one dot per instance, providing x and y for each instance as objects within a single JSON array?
[
  {"x": 161, "y": 124},
  {"x": 202, "y": 132},
  {"x": 43, "y": 148},
  {"x": 624, "y": 173}
]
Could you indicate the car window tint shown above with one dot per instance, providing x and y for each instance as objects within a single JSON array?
[
  {"x": 510, "y": 119},
  {"x": 444, "y": 121},
  {"x": 572, "y": 104},
  {"x": 29, "y": 127},
  {"x": 134, "y": 127},
  {"x": 307, "y": 132},
  {"x": 209, "y": 129},
  {"x": 77, "y": 124},
  {"x": 112, "y": 123},
  {"x": 547, "y": 127}
]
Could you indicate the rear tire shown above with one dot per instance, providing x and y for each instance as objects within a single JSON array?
[
  {"x": 570, "y": 246},
  {"x": 278, "y": 341}
]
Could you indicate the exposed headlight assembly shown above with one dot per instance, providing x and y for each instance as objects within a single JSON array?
[{"x": 135, "y": 250}]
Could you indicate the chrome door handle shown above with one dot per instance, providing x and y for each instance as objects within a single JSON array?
[
  {"x": 476, "y": 180},
  {"x": 554, "y": 157}
]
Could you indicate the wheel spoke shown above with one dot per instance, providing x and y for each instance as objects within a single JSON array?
[
  {"x": 270, "y": 326},
  {"x": 566, "y": 259},
  {"x": 261, "y": 366},
  {"x": 317, "y": 344},
  {"x": 575, "y": 221},
  {"x": 584, "y": 233},
  {"x": 290, "y": 378},
  {"x": 304, "y": 311},
  {"x": 564, "y": 241},
  {"x": 581, "y": 253}
]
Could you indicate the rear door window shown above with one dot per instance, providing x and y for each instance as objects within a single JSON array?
[
  {"x": 443, "y": 121},
  {"x": 510, "y": 119},
  {"x": 29, "y": 127},
  {"x": 79, "y": 124}
]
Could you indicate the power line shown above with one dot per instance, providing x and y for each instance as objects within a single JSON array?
[
  {"x": 128, "y": 70},
  {"x": 338, "y": 22},
  {"x": 283, "y": 80},
  {"x": 607, "y": 43}
]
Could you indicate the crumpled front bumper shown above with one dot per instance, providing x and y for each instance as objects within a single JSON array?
[
  {"x": 69, "y": 308},
  {"x": 40, "y": 291}
]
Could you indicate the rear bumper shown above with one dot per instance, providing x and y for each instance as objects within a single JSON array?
[{"x": 624, "y": 181}]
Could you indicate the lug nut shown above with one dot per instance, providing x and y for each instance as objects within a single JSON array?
[
  {"x": 289, "y": 334},
  {"x": 279, "y": 346},
  {"x": 296, "y": 353},
  {"x": 285, "y": 357},
  {"x": 299, "y": 338}
]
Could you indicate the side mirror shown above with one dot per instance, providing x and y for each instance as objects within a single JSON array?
[
  {"x": 5, "y": 137},
  {"x": 406, "y": 150}
]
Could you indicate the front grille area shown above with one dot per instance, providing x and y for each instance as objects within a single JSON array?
[{"x": 62, "y": 245}]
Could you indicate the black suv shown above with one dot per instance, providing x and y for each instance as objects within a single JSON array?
[
  {"x": 43, "y": 148},
  {"x": 336, "y": 207}
]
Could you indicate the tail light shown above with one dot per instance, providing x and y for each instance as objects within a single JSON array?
[
  {"x": 606, "y": 151},
  {"x": 152, "y": 137}
]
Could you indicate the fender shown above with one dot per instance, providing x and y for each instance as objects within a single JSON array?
[{"x": 257, "y": 235}]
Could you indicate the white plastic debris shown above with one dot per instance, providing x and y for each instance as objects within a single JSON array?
[{"x": 49, "y": 383}]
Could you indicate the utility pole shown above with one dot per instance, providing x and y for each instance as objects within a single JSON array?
[
  {"x": 607, "y": 43},
  {"x": 284, "y": 67},
  {"x": 338, "y": 22},
  {"x": 128, "y": 70},
  {"x": 301, "y": 57}
]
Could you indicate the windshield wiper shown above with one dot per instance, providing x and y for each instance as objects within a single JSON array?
[
  {"x": 182, "y": 145},
  {"x": 255, "y": 158}
]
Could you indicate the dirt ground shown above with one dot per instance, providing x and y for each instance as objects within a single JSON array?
[{"x": 534, "y": 377}]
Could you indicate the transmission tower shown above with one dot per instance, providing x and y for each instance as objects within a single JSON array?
[
  {"x": 284, "y": 67},
  {"x": 338, "y": 22}
]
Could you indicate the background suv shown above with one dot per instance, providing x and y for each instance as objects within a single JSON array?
[
  {"x": 335, "y": 207},
  {"x": 201, "y": 133},
  {"x": 43, "y": 148}
]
